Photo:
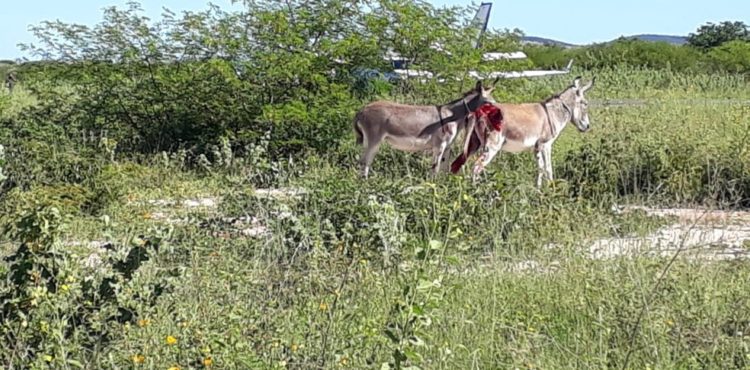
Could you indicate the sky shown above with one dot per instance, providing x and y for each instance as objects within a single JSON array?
[{"x": 577, "y": 22}]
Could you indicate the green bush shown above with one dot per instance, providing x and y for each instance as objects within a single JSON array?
[
  {"x": 191, "y": 82},
  {"x": 639, "y": 163},
  {"x": 57, "y": 306},
  {"x": 733, "y": 56},
  {"x": 730, "y": 57}
]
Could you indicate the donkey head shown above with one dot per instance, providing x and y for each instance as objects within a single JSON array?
[
  {"x": 581, "y": 106},
  {"x": 481, "y": 94}
]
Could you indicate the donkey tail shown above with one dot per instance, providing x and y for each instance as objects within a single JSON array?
[{"x": 357, "y": 130}]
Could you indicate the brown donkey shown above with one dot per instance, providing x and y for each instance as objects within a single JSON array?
[
  {"x": 416, "y": 128},
  {"x": 528, "y": 126}
]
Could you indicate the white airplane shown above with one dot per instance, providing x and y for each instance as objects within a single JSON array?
[{"x": 480, "y": 20}]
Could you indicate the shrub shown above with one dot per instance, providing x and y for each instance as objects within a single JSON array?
[
  {"x": 733, "y": 56},
  {"x": 56, "y": 306}
]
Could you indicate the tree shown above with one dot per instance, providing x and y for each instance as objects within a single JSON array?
[
  {"x": 711, "y": 35},
  {"x": 278, "y": 68}
]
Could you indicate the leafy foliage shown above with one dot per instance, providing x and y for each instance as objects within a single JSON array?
[
  {"x": 56, "y": 309},
  {"x": 732, "y": 56},
  {"x": 193, "y": 81},
  {"x": 711, "y": 35}
]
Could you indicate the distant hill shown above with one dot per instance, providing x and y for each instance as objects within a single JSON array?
[
  {"x": 676, "y": 40},
  {"x": 544, "y": 41}
]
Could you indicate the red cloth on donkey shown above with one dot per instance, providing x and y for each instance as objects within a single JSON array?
[
  {"x": 493, "y": 113},
  {"x": 486, "y": 115}
]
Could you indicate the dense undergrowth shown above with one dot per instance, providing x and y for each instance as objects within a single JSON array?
[
  {"x": 402, "y": 268},
  {"x": 188, "y": 216}
]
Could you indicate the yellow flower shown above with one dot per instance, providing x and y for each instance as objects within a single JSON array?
[
  {"x": 323, "y": 306},
  {"x": 48, "y": 358},
  {"x": 343, "y": 361},
  {"x": 294, "y": 348},
  {"x": 143, "y": 322},
  {"x": 174, "y": 368},
  {"x": 138, "y": 359},
  {"x": 171, "y": 340},
  {"x": 65, "y": 287},
  {"x": 208, "y": 361}
]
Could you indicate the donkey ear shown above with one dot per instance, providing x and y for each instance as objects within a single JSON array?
[
  {"x": 479, "y": 86},
  {"x": 589, "y": 85}
]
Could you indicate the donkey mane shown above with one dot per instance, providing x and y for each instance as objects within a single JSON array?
[
  {"x": 558, "y": 95},
  {"x": 463, "y": 96}
]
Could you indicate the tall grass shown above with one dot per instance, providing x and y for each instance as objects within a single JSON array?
[{"x": 400, "y": 270}]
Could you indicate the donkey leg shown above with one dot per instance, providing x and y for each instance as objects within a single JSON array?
[
  {"x": 446, "y": 157},
  {"x": 544, "y": 162},
  {"x": 493, "y": 143},
  {"x": 371, "y": 146},
  {"x": 490, "y": 150},
  {"x": 547, "y": 151},
  {"x": 437, "y": 157},
  {"x": 541, "y": 167}
]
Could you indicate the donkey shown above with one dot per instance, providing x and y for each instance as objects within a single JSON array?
[
  {"x": 526, "y": 127},
  {"x": 416, "y": 128}
]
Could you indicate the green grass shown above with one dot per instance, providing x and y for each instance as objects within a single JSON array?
[{"x": 355, "y": 274}]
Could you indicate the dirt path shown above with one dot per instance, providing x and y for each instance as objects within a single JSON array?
[
  {"x": 697, "y": 233},
  {"x": 707, "y": 235}
]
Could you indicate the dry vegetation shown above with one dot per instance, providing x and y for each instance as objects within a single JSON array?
[{"x": 271, "y": 254}]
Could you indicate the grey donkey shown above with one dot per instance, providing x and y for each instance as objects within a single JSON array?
[{"x": 416, "y": 128}]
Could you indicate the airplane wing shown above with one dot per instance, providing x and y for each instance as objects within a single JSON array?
[{"x": 519, "y": 74}]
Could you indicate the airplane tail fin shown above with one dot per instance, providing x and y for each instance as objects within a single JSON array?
[{"x": 480, "y": 21}]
